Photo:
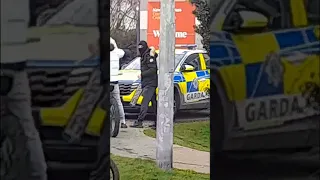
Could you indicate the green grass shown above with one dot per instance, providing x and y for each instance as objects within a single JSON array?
[
  {"x": 195, "y": 135},
  {"x": 139, "y": 169}
]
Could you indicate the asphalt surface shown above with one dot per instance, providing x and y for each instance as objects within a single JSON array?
[{"x": 183, "y": 116}]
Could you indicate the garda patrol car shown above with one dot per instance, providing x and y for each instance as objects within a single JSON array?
[
  {"x": 266, "y": 84},
  {"x": 65, "y": 88},
  {"x": 191, "y": 81}
]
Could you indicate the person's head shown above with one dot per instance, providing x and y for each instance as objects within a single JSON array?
[
  {"x": 114, "y": 48},
  {"x": 143, "y": 47}
]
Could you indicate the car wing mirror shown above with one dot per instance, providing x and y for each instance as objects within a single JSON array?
[{"x": 187, "y": 68}]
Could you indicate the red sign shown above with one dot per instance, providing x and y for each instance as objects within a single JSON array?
[{"x": 185, "y": 21}]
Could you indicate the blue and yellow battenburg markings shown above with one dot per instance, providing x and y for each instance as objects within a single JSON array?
[
  {"x": 258, "y": 86},
  {"x": 224, "y": 54},
  {"x": 179, "y": 78}
]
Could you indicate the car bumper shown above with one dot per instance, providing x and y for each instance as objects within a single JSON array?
[
  {"x": 133, "y": 110},
  {"x": 62, "y": 156},
  {"x": 302, "y": 133}
]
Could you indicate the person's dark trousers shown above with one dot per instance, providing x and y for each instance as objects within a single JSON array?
[
  {"x": 149, "y": 94},
  {"x": 154, "y": 109}
]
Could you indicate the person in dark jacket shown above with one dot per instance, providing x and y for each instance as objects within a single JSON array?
[{"x": 149, "y": 81}]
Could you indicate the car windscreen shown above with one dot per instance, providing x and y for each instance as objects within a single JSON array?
[{"x": 135, "y": 63}]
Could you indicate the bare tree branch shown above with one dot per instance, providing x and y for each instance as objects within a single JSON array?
[{"x": 123, "y": 20}]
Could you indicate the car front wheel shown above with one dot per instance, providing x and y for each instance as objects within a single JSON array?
[
  {"x": 114, "y": 118},
  {"x": 176, "y": 104}
]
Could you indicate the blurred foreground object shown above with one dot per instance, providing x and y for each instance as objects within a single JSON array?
[{"x": 165, "y": 85}]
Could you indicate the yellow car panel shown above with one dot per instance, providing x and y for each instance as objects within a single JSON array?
[
  {"x": 202, "y": 62},
  {"x": 296, "y": 76},
  {"x": 253, "y": 48},
  {"x": 260, "y": 70},
  {"x": 233, "y": 82},
  {"x": 183, "y": 87},
  {"x": 299, "y": 14},
  {"x": 59, "y": 116},
  {"x": 189, "y": 76}
]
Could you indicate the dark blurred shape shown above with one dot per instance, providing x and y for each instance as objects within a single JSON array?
[
  {"x": 128, "y": 56},
  {"x": 6, "y": 84},
  {"x": 111, "y": 47},
  {"x": 76, "y": 12},
  {"x": 39, "y": 7}
]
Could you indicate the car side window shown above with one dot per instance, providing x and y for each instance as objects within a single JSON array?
[
  {"x": 312, "y": 7},
  {"x": 207, "y": 60},
  {"x": 194, "y": 61}
]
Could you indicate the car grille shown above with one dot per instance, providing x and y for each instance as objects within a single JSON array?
[
  {"x": 126, "y": 89},
  {"x": 53, "y": 87}
]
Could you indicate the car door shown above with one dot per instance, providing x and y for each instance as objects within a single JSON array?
[
  {"x": 259, "y": 99},
  {"x": 204, "y": 81},
  {"x": 192, "y": 92},
  {"x": 300, "y": 50},
  {"x": 276, "y": 75},
  {"x": 260, "y": 67}
]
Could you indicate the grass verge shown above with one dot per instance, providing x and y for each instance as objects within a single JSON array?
[
  {"x": 195, "y": 135},
  {"x": 130, "y": 168}
]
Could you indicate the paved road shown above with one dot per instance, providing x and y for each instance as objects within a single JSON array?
[{"x": 183, "y": 116}]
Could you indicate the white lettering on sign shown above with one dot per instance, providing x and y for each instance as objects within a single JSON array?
[
  {"x": 272, "y": 111},
  {"x": 180, "y": 35},
  {"x": 158, "y": 10},
  {"x": 196, "y": 96},
  {"x": 156, "y": 33}
]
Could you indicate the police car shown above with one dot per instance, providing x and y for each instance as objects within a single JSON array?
[
  {"x": 191, "y": 81},
  {"x": 265, "y": 57}
]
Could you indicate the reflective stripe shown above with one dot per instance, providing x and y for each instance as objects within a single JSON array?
[
  {"x": 202, "y": 62},
  {"x": 298, "y": 12}
]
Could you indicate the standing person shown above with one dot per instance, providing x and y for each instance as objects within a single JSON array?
[
  {"x": 22, "y": 155},
  {"x": 115, "y": 55},
  {"x": 149, "y": 82}
]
